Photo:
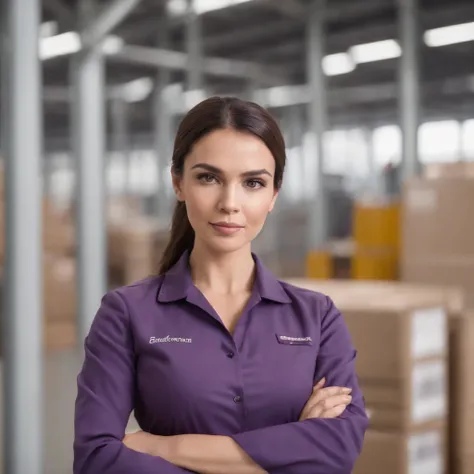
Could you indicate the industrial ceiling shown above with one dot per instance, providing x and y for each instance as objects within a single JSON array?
[{"x": 271, "y": 34}]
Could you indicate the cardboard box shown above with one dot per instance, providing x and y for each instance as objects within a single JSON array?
[
  {"x": 401, "y": 336},
  {"x": 58, "y": 231},
  {"x": 437, "y": 272},
  {"x": 461, "y": 357},
  {"x": 435, "y": 223},
  {"x": 59, "y": 289},
  {"x": 419, "y": 452},
  {"x": 461, "y": 415},
  {"x": 135, "y": 249},
  {"x": 457, "y": 169},
  {"x": 59, "y": 335}
]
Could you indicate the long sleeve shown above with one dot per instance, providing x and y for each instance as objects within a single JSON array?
[
  {"x": 105, "y": 399},
  {"x": 317, "y": 446}
]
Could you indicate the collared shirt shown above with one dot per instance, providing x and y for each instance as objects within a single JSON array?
[{"x": 158, "y": 347}]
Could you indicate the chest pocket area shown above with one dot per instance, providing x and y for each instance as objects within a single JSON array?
[
  {"x": 296, "y": 353},
  {"x": 294, "y": 340}
]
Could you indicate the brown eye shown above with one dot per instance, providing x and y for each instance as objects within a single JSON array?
[
  {"x": 255, "y": 183},
  {"x": 206, "y": 178}
]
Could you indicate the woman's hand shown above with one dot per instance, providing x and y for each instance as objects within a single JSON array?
[
  {"x": 144, "y": 442},
  {"x": 329, "y": 402}
]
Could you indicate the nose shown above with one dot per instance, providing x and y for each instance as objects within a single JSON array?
[{"x": 229, "y": 200}]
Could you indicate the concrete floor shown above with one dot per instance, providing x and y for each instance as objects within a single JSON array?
[{"x": 61, "y": 369}]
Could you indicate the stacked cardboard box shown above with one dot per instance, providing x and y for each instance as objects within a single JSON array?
[
  {"x": 135, "y": 249},
  {"x": 461, "y": 433},
  {"x": 58, "y": 231},
  {"x": 59, "y": 302},
  {"x": 400, "y": 335},
  {"x": 438, "y": 233},
  {"x": 456, "y": 169}
]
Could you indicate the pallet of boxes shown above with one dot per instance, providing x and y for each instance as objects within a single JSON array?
[
  {"x": 413, "y": 361},
  {"x": 59, "y": 273},
  {"x": 437, "y": 247}
]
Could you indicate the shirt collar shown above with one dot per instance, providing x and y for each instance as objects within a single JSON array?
[{"x": 177, "y": 282}]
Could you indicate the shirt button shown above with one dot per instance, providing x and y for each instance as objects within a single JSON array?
[
  {"x": 237, "y": 399},
  {"x": 230, "y": 355}
]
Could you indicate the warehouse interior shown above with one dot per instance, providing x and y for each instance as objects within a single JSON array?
[{"x": 376, "y": 102}]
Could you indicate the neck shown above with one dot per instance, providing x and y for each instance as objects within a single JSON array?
[{"x": 224, "y": 273}]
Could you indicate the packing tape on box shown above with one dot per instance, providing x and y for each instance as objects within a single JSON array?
[
  {"x": 429, "y": 332},
  {"x": 425, "y": 453},
  {"x": 429, "y": 391}
]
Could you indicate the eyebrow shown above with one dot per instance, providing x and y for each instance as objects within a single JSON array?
[{"x": 214, "y": 169}]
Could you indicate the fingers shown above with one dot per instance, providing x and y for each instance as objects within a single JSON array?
[
  {"x": 320, "y": 384},
  {"x": 334, "y": 401},
  {"x": 324, "y": 393},
  {"x": 326, "y": 400},
  {"x": 333, "y": 412}
]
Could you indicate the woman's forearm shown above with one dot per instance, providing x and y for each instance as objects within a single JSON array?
[{"x": 208, "y": 454}]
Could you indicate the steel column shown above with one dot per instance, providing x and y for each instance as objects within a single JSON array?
[
  {"x": 409, "y": 76},
  {"x": 162, "y": 130},
  {"x": 89, "y": 147},
  {"x": 23, "y": 311},
  {"x": 317, "y": 115}
]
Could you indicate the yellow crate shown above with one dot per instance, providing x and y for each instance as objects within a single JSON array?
[
  {"x": 375, "y": 264},
  {"x": 319, "y": 265},
  {"x": 377, "y": 224}
]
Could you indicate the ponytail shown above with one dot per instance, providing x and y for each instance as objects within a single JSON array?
[{"x": 181, "y": 238}]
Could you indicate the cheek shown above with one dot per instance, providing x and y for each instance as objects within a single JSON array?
[
  {"x": 257, "y": 208},
  {"x": 199, "y": 200}
]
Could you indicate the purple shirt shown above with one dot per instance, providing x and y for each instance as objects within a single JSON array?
[{"x": 157, "y": 347}]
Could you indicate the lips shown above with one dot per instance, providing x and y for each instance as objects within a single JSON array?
[
  {"x": 229, "y": 225},
  {"x": 226, "y": 228}
]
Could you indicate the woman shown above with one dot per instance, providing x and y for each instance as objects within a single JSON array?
[{"x": 227, "y": 369}]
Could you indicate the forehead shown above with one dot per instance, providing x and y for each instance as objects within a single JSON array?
[{"x": 232, "y": 151}]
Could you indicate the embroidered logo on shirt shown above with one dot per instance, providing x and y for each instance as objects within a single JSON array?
[
  {"x": 168, "y": 339},
  {"x": 294, "y": 340}
]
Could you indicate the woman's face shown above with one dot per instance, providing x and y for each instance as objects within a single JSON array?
[{"x": 227, "y": 185}]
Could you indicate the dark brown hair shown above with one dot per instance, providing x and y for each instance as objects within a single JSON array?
[{"x": 209, "y": 115}]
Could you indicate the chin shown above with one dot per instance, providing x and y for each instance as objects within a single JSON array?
[{"x": 226, "y": 245}]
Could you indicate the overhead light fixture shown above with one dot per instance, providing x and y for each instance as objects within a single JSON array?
[
  {"x": 112, "y": 44},
  {"x": 137, "y": 90},
  {"x": 340, "y": 63},
  {"x": 70, "y": 43},
  {"x": 48, "y": 28},
  {"x": 377, "y": 51},
  {"x": 180, "y": 7},
  {"x": 59, "y": 45},
  {"x": 449, "y": 35}
]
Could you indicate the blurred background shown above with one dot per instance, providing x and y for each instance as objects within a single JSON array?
[{"x": 376, "y": 102}]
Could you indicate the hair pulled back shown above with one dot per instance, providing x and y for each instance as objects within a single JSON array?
[{"x": 209, "y": 115}]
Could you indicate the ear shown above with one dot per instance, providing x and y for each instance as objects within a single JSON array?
[
  {"x": 273, "y": 201},
  {"x": 176, "y": 180}
]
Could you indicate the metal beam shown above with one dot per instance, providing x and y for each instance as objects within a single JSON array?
[
  {"x": 194, "y": 49},
  {"x": 409, "y": 77},
  {"x": 335, "y": 42},
  {"x": 277, "y": 29},
  {"x": 176, "y": 60},
  {"x": 290, "y": 8},
  {"x": 108, "y": 20},
  {"x": 289, "y": 95},
  {"x": 89, "y": 146},
  {"x": 318, "y": 120},
  {"x": 22, "y": 332},
  {"x": 162, "y": 121}
]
